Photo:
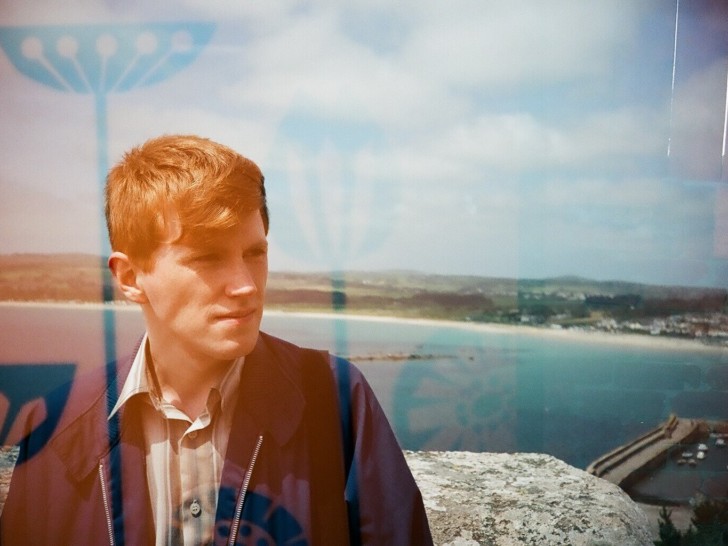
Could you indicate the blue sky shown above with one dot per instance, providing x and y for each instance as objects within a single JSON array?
[{"x": 502, "y": 138}]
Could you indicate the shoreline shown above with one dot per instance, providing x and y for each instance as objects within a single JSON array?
[
  {"x": 562, "y": 334},
  {"x": 635, "y": 340}
]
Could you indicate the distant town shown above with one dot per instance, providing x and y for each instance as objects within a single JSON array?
[
  {"x": 561, "y": 303},
  {"x": 678, "y": 321}
]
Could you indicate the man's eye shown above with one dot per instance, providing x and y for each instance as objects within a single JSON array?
[
  {"x": 256, "y": 253},
  {"x": 206, "y": 258}
]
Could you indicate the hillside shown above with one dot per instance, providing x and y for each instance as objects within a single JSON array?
[{"x": 566, "y": 300}]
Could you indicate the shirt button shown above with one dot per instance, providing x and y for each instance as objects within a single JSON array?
[
  {"x": 195, "y": 508},
  {"x": 192, "y": 435}
]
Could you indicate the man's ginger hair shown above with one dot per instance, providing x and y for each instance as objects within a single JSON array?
[{"x": 182, "y": 186}]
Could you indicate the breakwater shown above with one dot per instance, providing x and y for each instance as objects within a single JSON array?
[
  {"x": 676, "y": 463},
  {"x": 629, "y": 463}
]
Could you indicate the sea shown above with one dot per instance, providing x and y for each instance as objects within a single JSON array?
[{"x": 443, "y": 385}]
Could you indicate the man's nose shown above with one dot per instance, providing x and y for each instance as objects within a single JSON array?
[{"x": 240, "y": 280}]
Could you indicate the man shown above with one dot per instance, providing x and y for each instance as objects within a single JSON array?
[{"x": 211, "y": 431}]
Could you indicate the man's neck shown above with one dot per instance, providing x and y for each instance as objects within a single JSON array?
[{"x": 185, "y": 384}]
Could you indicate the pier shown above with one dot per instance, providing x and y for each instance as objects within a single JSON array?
[{"x": 631, "y": 462}]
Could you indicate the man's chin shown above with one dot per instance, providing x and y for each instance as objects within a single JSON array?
[{"x": 232, "y": 349}]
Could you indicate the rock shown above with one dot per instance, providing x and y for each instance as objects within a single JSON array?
[
  {"x": 7, "y": 462},
  {"x": 499, "y": 499}
]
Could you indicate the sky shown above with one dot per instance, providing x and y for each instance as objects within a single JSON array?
[{"x": 502, "y": 138}]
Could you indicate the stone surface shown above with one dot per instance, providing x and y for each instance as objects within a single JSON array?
[
  {"x": 7, "y": 461},
  {"x": 499, "y": 499}
]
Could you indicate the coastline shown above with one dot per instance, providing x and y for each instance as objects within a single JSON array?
[
  {"x": 634, "y": 340},
  {"x": 561, "y": 334}
]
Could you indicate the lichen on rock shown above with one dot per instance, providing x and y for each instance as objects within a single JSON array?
[{"x": 499, "y": 499}]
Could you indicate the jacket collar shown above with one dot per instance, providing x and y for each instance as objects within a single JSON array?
[
  {"x": 85, "y": 434},
  {"x": 269, "y": 393}
]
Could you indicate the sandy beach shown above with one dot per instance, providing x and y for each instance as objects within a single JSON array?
[
  {"x": 576, "y": 335},
  {"x": 560, "y": 334}
]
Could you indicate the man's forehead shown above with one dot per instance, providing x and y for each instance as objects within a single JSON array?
[
  {"x": 246, "y": 222},
  {"x": 201, "y": 241},
  {"x": 206, "y": 237}
]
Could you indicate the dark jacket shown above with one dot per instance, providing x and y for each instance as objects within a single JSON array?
[{"x": 298, "y": 470}]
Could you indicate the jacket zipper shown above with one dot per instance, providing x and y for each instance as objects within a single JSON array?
[
  {"x": 107, "y": 508},
  {"x": 241, "y": 498}
]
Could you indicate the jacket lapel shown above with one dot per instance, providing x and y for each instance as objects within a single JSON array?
[
  {"x": 90, "y": 440},
  {"x": 269, "y": 390},
  {"x": 270, "y": 406}
]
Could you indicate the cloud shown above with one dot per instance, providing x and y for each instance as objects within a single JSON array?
[
  {"x": 50, "y": 12},
  {"x": 507, "y": 44},
  {"x": 134, "y": 121},
  {"x": 697, "y": 128},
  {"x": 45, "y": 137},
  {"x": 414, "y": 92},
  {"x": 312, "y": 60},
  {"x": 506, "y": 146},
  {"x": 331, "y": 54},
  {"x": 617, "y": 226}
]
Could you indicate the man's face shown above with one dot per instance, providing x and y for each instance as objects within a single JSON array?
[{"x": 205, "y": 301}]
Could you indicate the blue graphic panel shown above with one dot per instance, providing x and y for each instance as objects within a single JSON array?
[
  {"x": 464, "y": 400},
  {"x": 100, "y": 59},
  {"x": 262, "y": 523},
  {"x": 23, "y": 383},
  {"x": 316, "y": 175}
]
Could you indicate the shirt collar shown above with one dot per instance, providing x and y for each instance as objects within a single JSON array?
[
  {"x": 140, "y": 381},
  {"x": 137, "y": 381}
]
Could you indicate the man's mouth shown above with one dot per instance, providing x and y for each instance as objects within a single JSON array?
[{"x": 242, "y": 314}]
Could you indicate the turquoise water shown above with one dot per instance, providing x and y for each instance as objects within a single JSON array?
[{"x": 575, "y": 397}]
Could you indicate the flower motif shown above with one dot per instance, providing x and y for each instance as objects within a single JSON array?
[{"x": 101, "y": 59}]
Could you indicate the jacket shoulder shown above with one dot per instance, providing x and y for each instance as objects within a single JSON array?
[
  {"x": 66, "y": 417},
  {"x": 283, "y": 348}
]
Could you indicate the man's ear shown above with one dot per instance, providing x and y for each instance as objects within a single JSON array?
[{"x": 125, "y": 274}]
